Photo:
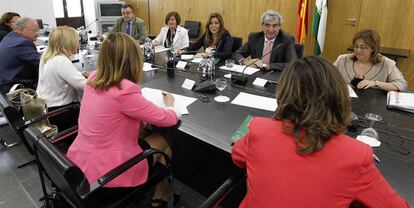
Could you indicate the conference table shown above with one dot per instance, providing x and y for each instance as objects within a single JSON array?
[{"x": 212, "y": 124}]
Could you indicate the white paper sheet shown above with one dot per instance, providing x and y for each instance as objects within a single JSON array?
[
  {"x": 197, "y": 60},
  {"x": 155, "y": 96},
  {"x": 161, "y": 49},
  {"x": 147, "y": 67},
  {"x": 187, "y": 56},
  {"x": 255, "y": 101},
  {"x": 239, "y": 69},
  {"x": 352, "y": 92}
]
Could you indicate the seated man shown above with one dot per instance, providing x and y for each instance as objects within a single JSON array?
[
  {"x": 131, "y": 25},
  {"x": 270, "y": 49},
  {"x": 19, "y": 59}
]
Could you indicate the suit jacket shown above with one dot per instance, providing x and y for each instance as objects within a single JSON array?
[
  {"x": 180, "y": 39},
  {"x": 278, "y": 58},
  {"x": 19, "y": 60},
  {"x": 108, "y": 133},
  {"x": 384, "y": 71},
  {"x": 138, "y": 30},
  {"x": 223, "y": 50},
  {"x": 278, "y": 176}
]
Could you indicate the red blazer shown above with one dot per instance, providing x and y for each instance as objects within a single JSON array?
[{"x": 278, "y": 176}]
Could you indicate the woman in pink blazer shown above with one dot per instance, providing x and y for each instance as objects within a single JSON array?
[
  {"x": 300, "y": 157},
  {"x": 112, "y": 111}
]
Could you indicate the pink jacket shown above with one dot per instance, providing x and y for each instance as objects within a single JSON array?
[{"x": 108, "y": 132}]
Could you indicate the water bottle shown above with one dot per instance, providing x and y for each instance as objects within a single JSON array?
[
  {"x": 149, "y": 52},
  {"x": 206, "y": 67},
  {"x": 170, "y": 66}
]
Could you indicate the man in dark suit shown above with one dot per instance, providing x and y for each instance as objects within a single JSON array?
[
  {"x": 273, "y": 41},
  {"x": 19, "y": 59},
  {"x": 131, "y": 25}
]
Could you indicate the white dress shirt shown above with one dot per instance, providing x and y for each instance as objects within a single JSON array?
[
  {"x": 180, "y": 39},
  {"x": 60, "y": 83}
]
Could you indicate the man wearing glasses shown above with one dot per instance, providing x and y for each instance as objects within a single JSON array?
[
  {"x": 131, "y": 25},
  {"x": 269, "y": 49},
  {"x": 19, "y": 59}
]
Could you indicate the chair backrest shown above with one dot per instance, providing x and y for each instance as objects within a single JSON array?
[
  {"x": 237, "y": 43},
  {"x": 299, "y": 50},
  {"x": 61, "y": 171},
  {"x": 15, "y": 119},
  {"x": 193, "y": 28}
]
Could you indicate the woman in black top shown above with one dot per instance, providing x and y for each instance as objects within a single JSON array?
[
  {"x": 7, "y": 22},
  {"x": 216, "y": 37}
]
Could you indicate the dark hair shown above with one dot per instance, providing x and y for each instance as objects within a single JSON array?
[
  {"x": 208, "y": 40},
  {"x": 313, "y": 102},
  {"x": 124, "y": 6},
  {"x": 175, "y": 15},
  {"x": 372, "y": 39},
  {"x": 6, "y": 18}
]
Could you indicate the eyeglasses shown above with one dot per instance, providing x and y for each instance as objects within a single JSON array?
[
  {"x": 267, "y": 26},
  {"x": 362, "y": 47}
]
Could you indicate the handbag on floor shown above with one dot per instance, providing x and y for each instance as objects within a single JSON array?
[{"x": 32, "y": 105}]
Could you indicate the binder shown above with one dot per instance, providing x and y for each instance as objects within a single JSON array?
[{"x": 401, "y": 100}]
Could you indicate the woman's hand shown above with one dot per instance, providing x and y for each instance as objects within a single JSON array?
[
  {"x": 155, "y": 43},
  {"x": 168, "y": 99},
  {"x": 365, "y": 84}
]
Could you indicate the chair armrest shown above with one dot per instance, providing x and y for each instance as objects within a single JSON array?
[
  {"x": 63, "y": 134},
  {"x": 214, "y": 199},
  {"x": 112, "y": 174},
  {"x": 49, "y": 115}
]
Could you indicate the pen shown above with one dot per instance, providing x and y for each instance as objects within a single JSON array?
[{"x": 376, "y": 158}]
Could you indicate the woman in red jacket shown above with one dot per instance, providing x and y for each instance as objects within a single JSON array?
[{"x": 300, "y": 157}]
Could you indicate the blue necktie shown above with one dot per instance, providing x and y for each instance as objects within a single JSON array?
[{"x": 128, "y": 30}]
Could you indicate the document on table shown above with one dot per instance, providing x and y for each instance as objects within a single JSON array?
[
  {"x": 255, "y": 101},
  {"x": 160, "y": 49},
  {"x": 196, "y": 60},
  {"x": 352, "y": 92},
  {"x": 148, "y": 67},
  {"x": 187, "y": 56},
  {"x": 239, "y": 69},
  {"x": 155, "y": 96}
]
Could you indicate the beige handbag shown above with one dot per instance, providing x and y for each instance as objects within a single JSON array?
[{"x": 32, "y": 106}]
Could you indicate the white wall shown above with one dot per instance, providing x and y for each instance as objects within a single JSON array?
[
  {"x": 90, "y": 14},
  {"x": 36, "y": 9}
]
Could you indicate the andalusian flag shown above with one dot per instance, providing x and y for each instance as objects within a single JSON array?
[
  {"x": 319, "y": 24},
  {"x": 303, "y": 20}
]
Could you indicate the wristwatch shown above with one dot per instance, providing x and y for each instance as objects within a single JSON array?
[{"x": 376, "y": 83}]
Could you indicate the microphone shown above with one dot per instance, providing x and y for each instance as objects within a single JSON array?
[
  {"x": 242, "y": 79},
  {"x": 87, "y": 26}
]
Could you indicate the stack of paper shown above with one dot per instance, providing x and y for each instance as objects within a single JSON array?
[
  {"x": 155, "y": 96},
  {"x": 255, "y": 101},
  {"x": 401, "y": 100},
  {"x": 148, "y": 67},
  {"x": 240, "y": 68}
]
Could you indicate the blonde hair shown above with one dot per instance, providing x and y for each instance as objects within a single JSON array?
[
  {"x": 63, "y": 40},
  {"x": 120, "y": 58}
]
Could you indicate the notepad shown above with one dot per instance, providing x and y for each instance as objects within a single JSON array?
[
  {"x": 240, "y": 68},
  {"x": 255, "y": 101},
  {"x": 401, "y": 101},
  {"x": 155, "y": 96},
  {"x": 243, "y": 129}
]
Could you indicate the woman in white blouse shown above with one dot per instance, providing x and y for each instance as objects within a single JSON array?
[
  {"x": 60, "y": 83},
  {"x": 173, "y": 35}
]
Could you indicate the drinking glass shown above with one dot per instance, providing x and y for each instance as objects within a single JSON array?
[
  {"x": 221, "y": 84},
  {"x": 370, "y": 131},
  {"x": 229, "y": 64}
]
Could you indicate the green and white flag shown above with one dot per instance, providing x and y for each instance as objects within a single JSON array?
[{"x": 319, "y": 24}]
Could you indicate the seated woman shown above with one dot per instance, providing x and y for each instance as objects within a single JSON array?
[
  {"x": 216, "y": 37},
  {"x": 365, "y": 67},
  {"x": 7, "y": 22},
  {"x": 301, "y": 157},
  {"x": 111, "y": 113},
  {"x": 60, "y": 83},
  {"x": 173, "y": 35}
]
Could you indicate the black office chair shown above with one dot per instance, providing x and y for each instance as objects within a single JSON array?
[
  {"x": 18, "y": 124},
  {"x": 237, "y": 43},
  {"x": 219, "y": 195},
  {"x": 299, "y": 50},
  {"x": 72, "y": 185},
  {"x": 193, "y": 28}
]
